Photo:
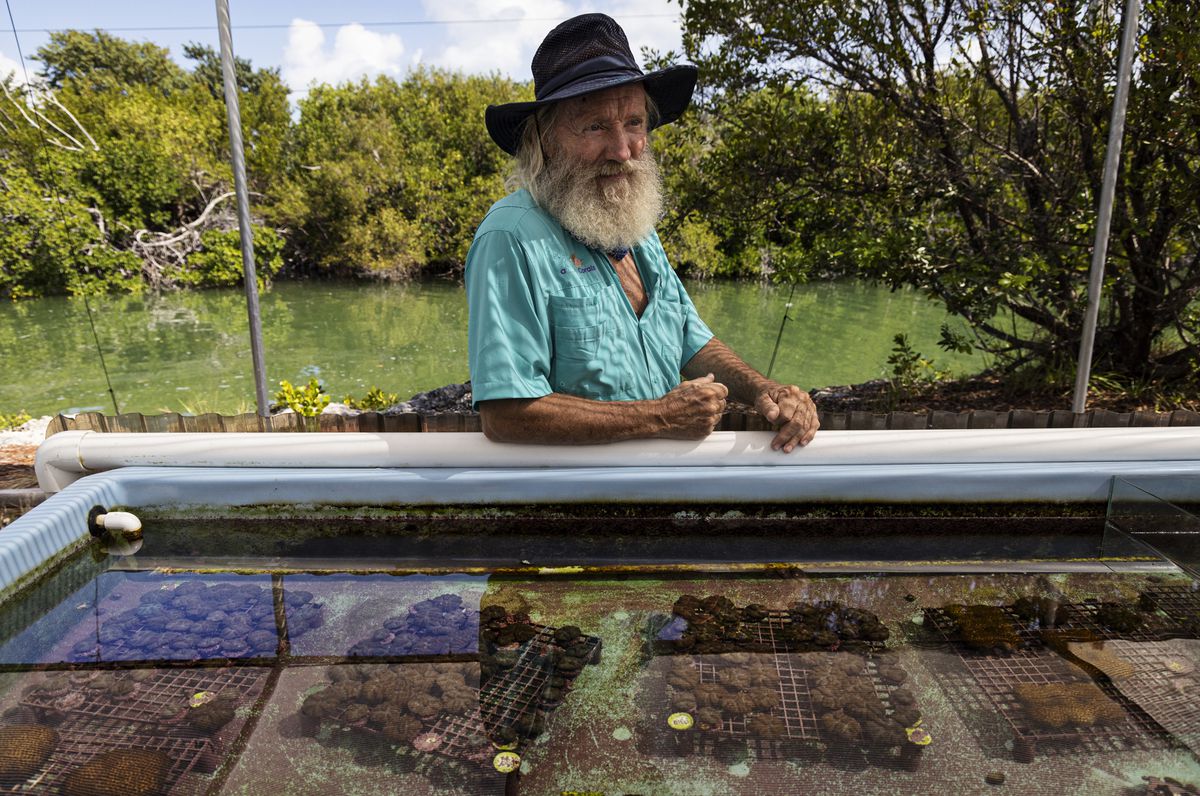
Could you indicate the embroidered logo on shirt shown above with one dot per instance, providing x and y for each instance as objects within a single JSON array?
[{"x": 579, "y": 267}]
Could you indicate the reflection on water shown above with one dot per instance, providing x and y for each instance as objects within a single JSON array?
[
  {"x": 189, "y": 351},
  {"x": 243, "y": 682}
]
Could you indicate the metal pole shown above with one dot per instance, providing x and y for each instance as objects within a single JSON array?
[
  {"x": 1112, "y": 159},
  {"x": 234, "y": 115}
]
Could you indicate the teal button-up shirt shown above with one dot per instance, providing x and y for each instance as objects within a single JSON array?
[{"x": 547, "y": 314}]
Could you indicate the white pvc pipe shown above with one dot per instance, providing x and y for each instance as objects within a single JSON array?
[{"x": 67, "y": 456}]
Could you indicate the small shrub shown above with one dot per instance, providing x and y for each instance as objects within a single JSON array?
[
  {"x": 375, "y": 400},
  {"x": 15, "y": 420},
  {"x": 307, "y": 401},
  {"x": 910, "y": 369}
]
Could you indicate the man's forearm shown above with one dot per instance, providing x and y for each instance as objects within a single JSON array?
[
  {"x": 559, "y": 418},
  {"x": 690, "y": 411},
  {"x": 744, "y": 382}
]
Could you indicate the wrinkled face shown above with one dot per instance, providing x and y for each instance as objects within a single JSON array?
[
  {"x": 605, "y": 128},
  {"x": 601, "y": 181}
]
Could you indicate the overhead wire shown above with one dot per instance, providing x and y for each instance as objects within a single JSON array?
[
  {"x": 49, "y": 176},
  {"x": 380, "y": 24}
]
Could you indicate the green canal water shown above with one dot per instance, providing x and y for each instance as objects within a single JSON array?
[{"x": 190, "y": 351}]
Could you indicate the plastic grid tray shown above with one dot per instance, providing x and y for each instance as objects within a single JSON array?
[
  {"x": 151, "y": 699},
  {"x": 1165, "y": 684},
  {"x": 941, "y": 621},
  {"x": 796, "y": 707},
  {"x": 998, "y": 675},
  {"x": 1085, "y": 616},
  {"x": 83, "y": 737},
  {"x": 1180, "y": 603},
  {"x": 767, "y": 635},
  {"x": 503, "y": 700},
  {"x": 464, "y": 737}
]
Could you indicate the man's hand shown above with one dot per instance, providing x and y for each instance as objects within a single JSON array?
[
  {"x": 791, "y": 412},
  {"x": 693, "y": 409}
]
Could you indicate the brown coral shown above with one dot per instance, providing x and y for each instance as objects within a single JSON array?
[
  {"x": 709, "y": 694},
  {"x": 1058, "y": 705},
  {"x": 125, "y": 772},
  {"x": 424, "y": 706},
  {"x": 766, "y": 726},
  {"x": 985, "y": 627},
  {"x": 402, "y": 730},
  {"x": 734, "y": 677},
  {"x": 738, "y": 703},
  {"x": 459, "y": 701},
  {"x": 23, "y": 750},
  {"x": 840, "y": 727},
  {"x": 764, "y": 698},
  {"x": 684, "y": 677}
]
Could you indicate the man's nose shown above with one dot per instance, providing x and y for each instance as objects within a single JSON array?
[{"x": 619, "y": 145}]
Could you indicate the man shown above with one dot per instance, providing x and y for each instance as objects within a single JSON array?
[{"x": 579, "y": 328}]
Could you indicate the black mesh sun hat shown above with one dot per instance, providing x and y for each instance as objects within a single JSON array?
[{"x": 585, "y": 54}]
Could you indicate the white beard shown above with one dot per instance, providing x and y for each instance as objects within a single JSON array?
[{"x": 619, "y": 215}]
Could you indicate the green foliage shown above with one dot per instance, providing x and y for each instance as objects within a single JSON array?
[
  {"x": 266, "y": 120},
  {"x": 50, "y": 246},
  {"x": 218, "y": 263},
  {"x": 954, "y": 341},
  {"x": 375, "y": 400},
  {"x": 9, "y": 422},
  {"x": 99, "y": 60},
  {"x": 122, "y": 195},
  {"x": 157, "y": 154},
  {"x": 910, "y": 369},
  {"x": 307, "y": 401},
  {"x": 392, "y": 177},
  {"x": 959, "y": 153}
]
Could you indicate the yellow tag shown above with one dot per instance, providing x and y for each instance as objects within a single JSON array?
[
  {"x": 680, "y": 721},
  {"x": 201, "y": 698},
  {"x": 917, "y": 735},
  {"x": 506, "y": 762}
]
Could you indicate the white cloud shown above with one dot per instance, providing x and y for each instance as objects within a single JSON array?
[
  {"x": 356, "y": 52},
  {"x": 10, "y": 67},
  {"x": 647, "y": 23},
  {"x": 508, "y": 46}
]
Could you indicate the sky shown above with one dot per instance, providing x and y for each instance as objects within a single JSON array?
[{"x": 327, "y": 42}]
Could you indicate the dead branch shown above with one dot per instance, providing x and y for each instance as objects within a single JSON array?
[
  {"x": 76, "y": 145},
  {"x": 56, "y": 103},
  {"x": 165, "y": 254},
  {"x": 48, "y": 97}
]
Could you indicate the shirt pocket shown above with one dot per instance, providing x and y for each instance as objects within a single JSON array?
[{"x": 579, "y": 325}]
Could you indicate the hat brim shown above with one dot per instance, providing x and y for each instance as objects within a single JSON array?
[{"x": 670, "y": 88}]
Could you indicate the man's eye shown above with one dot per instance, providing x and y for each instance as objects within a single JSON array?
[
  {"x": 636, "y": 122},
  {"x": 595, "y": 127}
]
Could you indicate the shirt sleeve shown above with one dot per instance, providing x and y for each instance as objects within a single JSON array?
[
  {"x": 696, "y": 333},
  {"x": 508, "y": 330}
]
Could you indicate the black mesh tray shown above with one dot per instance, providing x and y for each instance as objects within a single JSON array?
[
  {"x": 766, "y": 635},
  {"x": 153, "y": 698},
  {"x": 802, "y": 736},
  {"x": 996, "y": 676},
  {"x": 82, "y": 737},
  {"x": 504, "y": 700}
]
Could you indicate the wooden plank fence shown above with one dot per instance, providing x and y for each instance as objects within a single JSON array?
[{"x": 734, "y": 420}]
